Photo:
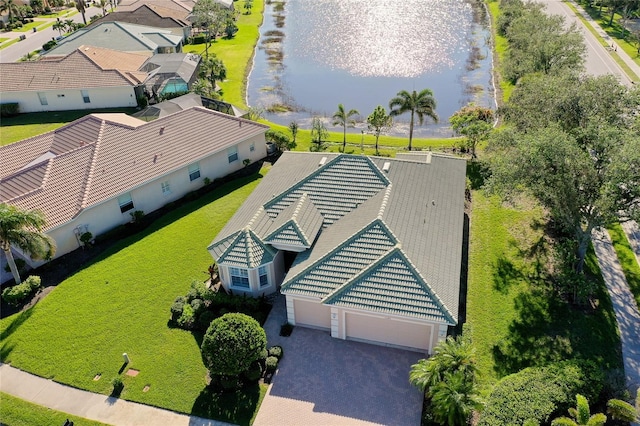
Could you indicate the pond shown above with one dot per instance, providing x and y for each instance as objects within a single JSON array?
[{"x": 313, "y": 55}]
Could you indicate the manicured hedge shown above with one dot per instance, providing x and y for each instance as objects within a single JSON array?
[
  {"x": 16, "y": 294},
  {"x": 9, "y": 109},
  {"x": 540, "y": 393}
]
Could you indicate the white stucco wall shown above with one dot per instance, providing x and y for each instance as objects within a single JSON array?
[
  {"x": 71, "y": 99},
  {"x": 149, "y": 196}
]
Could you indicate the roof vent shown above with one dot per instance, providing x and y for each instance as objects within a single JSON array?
[
  {"x": 386, "y": 166},
  {"x": 162, "y": 130},
  {"x": 155, "y": 158},
  {"x": 322, "y": 161}
]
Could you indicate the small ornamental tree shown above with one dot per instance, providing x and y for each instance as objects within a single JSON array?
[{"x": 232, "y": 343}]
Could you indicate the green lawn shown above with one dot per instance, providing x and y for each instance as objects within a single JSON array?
[
  {"x": 120, "y": 303},
  {"x": 29, "y": 26},
  {"x": 9, "y": 43},
  {"x": 500, "y": 48},
  {"x": 24, "y": 126},
  {"x": 515, "y": 320},
  {"x": 18, "y": 412},
  {"x": 627, "y": 259}
]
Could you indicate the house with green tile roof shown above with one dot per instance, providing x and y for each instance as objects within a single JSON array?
[{"x": 365, "y": 248}]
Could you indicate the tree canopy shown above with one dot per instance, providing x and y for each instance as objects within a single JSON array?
[
  {"x": 232, "y": 343},
  {"x": 379, "y": 122}
]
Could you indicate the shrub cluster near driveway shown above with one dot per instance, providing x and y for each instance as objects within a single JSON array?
[{"x": 119, "y": 304}]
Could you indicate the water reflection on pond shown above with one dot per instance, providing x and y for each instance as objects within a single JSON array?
[{"x": 313, "y": 55}]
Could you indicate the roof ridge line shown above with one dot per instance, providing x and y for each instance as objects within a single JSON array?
[
  {"x": 255, "y": 216},
  {"x": 47, "y": 172},
  {"x": 90, "y": 170},
  {"x": 385, "y": 200}
]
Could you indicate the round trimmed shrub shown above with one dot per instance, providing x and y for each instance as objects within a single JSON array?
[
  {"x": 187, "y": 319},
  {"x": 204, "y": 320},
  {"x": 271, "y": 364},
  {"x": 276, "y": 351},
  {"x": 177, "y": 308},
  {"x": 232, "y": 343}
]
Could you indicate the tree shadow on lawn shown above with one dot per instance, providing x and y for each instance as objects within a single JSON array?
[
  {"x": 17, "y": 322},
  {"x": 548, "y": 329},
  {"x": 235, "y": 406}
]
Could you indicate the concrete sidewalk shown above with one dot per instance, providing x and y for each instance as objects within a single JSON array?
[
  {"x": 90, "y": 405},
  {"x": 617, "y": 49},
  {"x": 624, "y": 306}
]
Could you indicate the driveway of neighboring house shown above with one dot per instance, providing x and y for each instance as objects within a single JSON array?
[{"x": 326, "y": 381}]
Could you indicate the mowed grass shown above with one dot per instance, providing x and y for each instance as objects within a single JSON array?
[
  {"x": 23, "y": 126},
  {"x": 18, "y": 412},
  {"x": 121, "y": 302},
  {"x": 515, "y": 319},
  {"x": 627, "y": 259},
  {"x": 500, "y": 48}
]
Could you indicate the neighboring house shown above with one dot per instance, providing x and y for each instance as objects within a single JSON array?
[
  {"x": 87, "y": 78},
  {"x": 152, "y": 15},
  {"x": 188, "y": 100},
  {"x": 371, "y": 247},
  {"x": 123, "y": 36},
  {"x": 91, "y": 174},
  {"x": 170, "y": 73}
]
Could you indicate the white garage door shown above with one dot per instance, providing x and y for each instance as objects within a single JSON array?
[
  {"x": 312, "y": 314},
  {"x": 388, "y": 331}
]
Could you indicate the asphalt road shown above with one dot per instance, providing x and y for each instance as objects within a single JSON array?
[
  {"x": 598, "y": 61},
  {"x": 34, "y": 41}
]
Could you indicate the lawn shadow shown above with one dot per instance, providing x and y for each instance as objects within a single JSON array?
[
  {"x": 548, "y": 329},
  {"x": 464, "y": 277},
  {"x": 477, "y": 173},
  {"x": 124, "y": 365},
  {"x": 58, "y": 116},
  {"x": 235, "y": 406},
  {"x": 506, "y": 274}
]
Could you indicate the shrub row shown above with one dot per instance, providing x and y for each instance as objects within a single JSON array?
[
  {"x": 9, "y": 109},
  {"x": 18, "y": 293}
]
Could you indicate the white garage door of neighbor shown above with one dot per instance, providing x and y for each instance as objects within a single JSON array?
[
  {"x": 312, "y": 314},
  {"x": 388, "y": 330}
]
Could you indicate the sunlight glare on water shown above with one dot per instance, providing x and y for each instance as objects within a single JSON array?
[{"x": 381, "y": 38}]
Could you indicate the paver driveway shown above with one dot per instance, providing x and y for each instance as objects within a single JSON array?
[{"x": 326, "y": 381}]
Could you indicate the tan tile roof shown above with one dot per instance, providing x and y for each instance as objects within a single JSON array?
[
  {"x": 177, "y": 5},
  {"x": 109, "y": 59},
  {"x": 78, "y": 70},
  {"x": 102, "y": 156}
]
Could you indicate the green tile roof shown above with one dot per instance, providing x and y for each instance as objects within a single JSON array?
[
  {"x": 297, "y": 225},
  {"x": 244, "y": 249},
  {"x": 391, "y": 285},
  {"x": 336, "y": 188},
  {"x": 342, "y": 263}
]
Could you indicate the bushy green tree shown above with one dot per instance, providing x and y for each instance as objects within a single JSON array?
[
  {"x": 319, "y": 135},
  {"x": 473, "y": 121},
  {"x": 379, "y": 122},
  {"x": 232, "y": 343}
]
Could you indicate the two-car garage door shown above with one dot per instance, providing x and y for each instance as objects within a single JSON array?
[{"x": 388, "y": 330}]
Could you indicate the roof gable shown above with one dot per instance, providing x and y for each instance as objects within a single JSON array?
[
  {"x": 246, "y": 250},
  {"x": 342, "y": 263},
  {"x": 336, "y": 188},
  {"x": 391, "y": 285},
  {"x": 297, "y": 225}
]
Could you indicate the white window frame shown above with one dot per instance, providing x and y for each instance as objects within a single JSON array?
[
  {"x": 263, "y": 274},
  {"x": 125, "y": 201},
  {"x": 194, "y": 171},
  {"x": 166, "y": 188},
  {"x": 85, "y": 96},
  {"x": 43, "y": 98},
  {"x": 239, "y": 275},
  {"x": 252, "y": 147},
  {"x": 232, "y": 154}
]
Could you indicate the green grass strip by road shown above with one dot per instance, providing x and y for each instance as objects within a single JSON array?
[
  {"x": 29, "y": 26},
  {"x": 120, "y": 303},
  {"x": 516, "y": 320},
  {"x": 9, "y": 43},
  {"x": 627, "y": 259},
  {"x": 18, "y": 412}
]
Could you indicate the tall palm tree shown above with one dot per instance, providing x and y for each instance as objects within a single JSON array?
[
  {"x": 11, "y": 8},
  {"x": 343, "y": 118},
  {"x": 82, "y": 7},
  {"x": 23, "y": 229},
  {"x": 454, "y": 399},
  {"x": 422, "y": 104},
  {"x": 213, "y": 69}
]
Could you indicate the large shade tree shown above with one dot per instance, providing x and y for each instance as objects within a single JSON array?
[
  {"x": 420, "y": 104},
  {"x": 23, "y": 229},
  {"x": 345, "y": 119},
  {"x": 474, "y": 122}
]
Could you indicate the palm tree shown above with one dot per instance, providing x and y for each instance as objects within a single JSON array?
[
  {"x": 59, "y": 26},
  {"x": 581, "y": 415},
  {"x": 378, "y": 122},
  {"x": 103, "y": 5},
  {"x": 622, "y": 410},
  {"x": 213, "y": 69},
  {"x": 422, "y": 104},
  {"x": 343, "y": 118},
  {"x": 454, "y": 399},
  {"x": 82, "y": 7},
  {"x": 23, "y": 229},
  {"x": 11, "y": 8},
  {"x": 451, "y": 355}
]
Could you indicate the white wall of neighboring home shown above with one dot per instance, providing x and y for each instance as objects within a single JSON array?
[
  {"x": 150, "y": 196},
  {"x": 71, "y": 99}
]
